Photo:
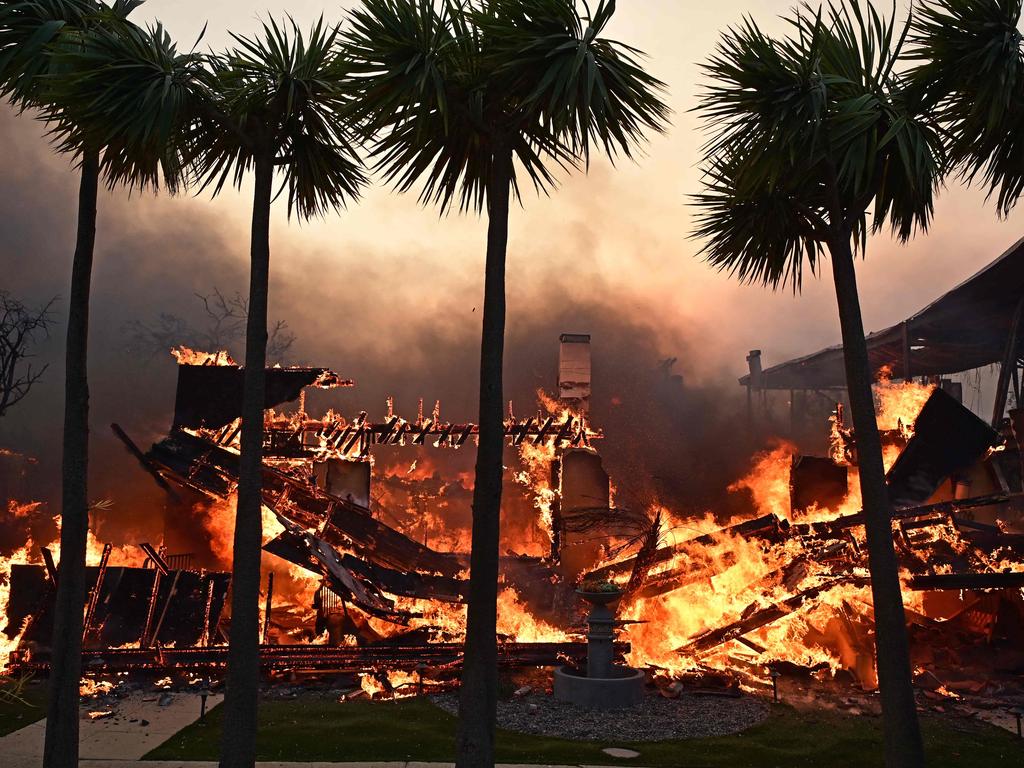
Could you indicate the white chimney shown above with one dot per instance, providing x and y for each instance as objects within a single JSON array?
[{"x": 574, "y": 370}]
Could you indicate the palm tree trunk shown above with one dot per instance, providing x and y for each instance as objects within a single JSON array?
[
  {"x": 238, "y": 743},
  {"x": 903, "y": 747},
  {"x": 60, "y": 748},
  {"x": 478, "y": 696}
]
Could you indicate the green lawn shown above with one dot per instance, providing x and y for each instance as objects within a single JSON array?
[
  {"x": 312, "y": 728},
  {"x": 21, "y": 703}
]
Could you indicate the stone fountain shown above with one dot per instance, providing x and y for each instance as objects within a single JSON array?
[{"x": 605, "y": 685}]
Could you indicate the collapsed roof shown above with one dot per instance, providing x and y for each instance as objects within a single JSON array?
[{"x": 965, "y": 328}]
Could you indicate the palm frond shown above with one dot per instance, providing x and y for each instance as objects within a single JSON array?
[
  {"x": 581, "y": 86},
  {"x": 129, "y": 91},
  {"x": 445, "y": 85},
  {"x": 27, "y": 29},
  {"x": 970, "y": 66},
  {"x": 766, "y": 98},
  {"x": 759, "y": 233},
  {"x": 281, "y": 95},
  {"x": 811, "y": 131},
  {"x": 422, "y": 98}
]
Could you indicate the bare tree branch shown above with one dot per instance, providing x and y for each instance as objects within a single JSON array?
[
  {"x": 223, "y": 329},
  {"x": 20, "y": 327}
]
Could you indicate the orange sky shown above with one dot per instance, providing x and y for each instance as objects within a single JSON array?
[
  {"x": 620, "y": 234},
  {"x": 626, "y": 226}
]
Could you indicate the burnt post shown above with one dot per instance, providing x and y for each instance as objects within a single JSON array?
[
  {"x": 753, "y": 382},
  {"x": 1008, "y": 365},
  {"x": 1017, "y": 712},
  {"x": 265, "y": 634}
]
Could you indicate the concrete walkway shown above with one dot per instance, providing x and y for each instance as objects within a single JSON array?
[{"x": 139, "y": 723}]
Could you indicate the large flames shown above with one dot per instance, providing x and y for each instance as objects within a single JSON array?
[
  {"x": 719, "y": 576},
  {"x": 187, "y": 356},
  {"x": 30, "y": 553},
  {"x": 898, "y": 403}
]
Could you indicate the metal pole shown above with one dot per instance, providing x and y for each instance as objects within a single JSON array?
[
  {"x": 1008, "y": 364},
  {"x": 170, "y": 596},
  {"x": 266, "y": 613},
  {"x": 905, "y": 328},
  {"x": 94, "y": 597}
]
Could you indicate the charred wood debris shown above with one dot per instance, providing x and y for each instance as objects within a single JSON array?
[{"x": 169, "y": 615}]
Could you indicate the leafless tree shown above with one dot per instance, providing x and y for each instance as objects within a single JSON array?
[
  {"x": 20, "y": 328},
  {"x": 226, "y": 316}
]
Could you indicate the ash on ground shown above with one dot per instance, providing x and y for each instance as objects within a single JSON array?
[{"x": 656, "y": 718}]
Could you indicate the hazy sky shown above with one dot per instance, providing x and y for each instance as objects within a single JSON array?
[
  {"x": 387, "y": 277},
  {"x": 627, "y": 225}
]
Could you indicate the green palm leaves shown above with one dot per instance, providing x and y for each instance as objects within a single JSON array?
[
  {"x": 807, "y": 132},
  {"x": 970, "y": 68},
  {"x": 27, "y": 29},
  {"x": 163, "y": 116},
  {"x": 99, "y": 80},
  {"x": 443, "y": 84},
  {"x": 129, "y": 91},
  {"x": 282, "y": 96}
]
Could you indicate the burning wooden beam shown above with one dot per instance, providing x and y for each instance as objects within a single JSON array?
[
  {"x": 754, "y": 619},
  {"x": 767, "y": 527},
  {"x": 339, "y": 658}
]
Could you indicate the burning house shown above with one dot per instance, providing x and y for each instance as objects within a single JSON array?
[{"x": 366, "y": 551}]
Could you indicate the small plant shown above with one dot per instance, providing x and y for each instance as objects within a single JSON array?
[
  {"x": 601, "y": 586},
  {"x": 12, "y": 689}
]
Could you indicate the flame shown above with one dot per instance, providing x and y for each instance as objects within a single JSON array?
[
  {"x": 186, "y": 356},
  {"x": 399, "y": 684},
  {"x": 716, "y": 576},
  {"x": 735, "y": 576},
  {"x": 22, "y": 556},
  {"x": 899, "y": 403},
  {"x": 536, "y": 476},
  {"x": 768, "y": 480},
  {"x": 90, "y": 686}
]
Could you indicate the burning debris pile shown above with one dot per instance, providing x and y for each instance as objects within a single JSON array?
[
  {"x": 370, "y": 575},
  {"x": 791, "y": 584}
]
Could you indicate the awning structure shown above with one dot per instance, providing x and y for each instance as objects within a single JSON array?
[{"x": 966, "y": 328}]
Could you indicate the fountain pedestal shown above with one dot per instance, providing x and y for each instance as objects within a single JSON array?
[{"x": 605, "y": 684}]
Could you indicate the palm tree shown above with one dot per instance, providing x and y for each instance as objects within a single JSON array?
[
  {"x": 970, "y": 68},
  {"x": 46, "y": 50},
  {"x": 807, "y": 132},
  {"x": 273, "y": 104},
  {"x": 469, "y": 97}
]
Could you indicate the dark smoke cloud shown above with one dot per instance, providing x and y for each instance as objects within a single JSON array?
[{"x": 378, "y": 319}]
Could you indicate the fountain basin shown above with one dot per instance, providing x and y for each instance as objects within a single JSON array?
[{"x": 625, "y": 688}]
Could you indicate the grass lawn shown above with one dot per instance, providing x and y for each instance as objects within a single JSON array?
[
  {"x": 21, "y": 705},
  {"x": 311, "y": 728}
]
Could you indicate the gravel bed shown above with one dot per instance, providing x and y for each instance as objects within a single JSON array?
[{"x": 656, "y": 718}]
